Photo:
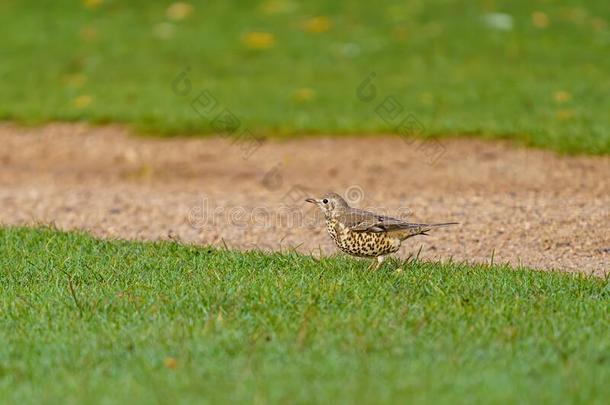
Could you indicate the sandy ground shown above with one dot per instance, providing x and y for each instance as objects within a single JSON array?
[{"x": 526, "y": 207}]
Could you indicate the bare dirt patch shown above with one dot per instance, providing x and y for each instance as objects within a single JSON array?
[{"x": 528, "y": 207}]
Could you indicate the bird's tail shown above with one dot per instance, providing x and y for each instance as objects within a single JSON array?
[
  {"x": 443, "y": 224},
  {"x": 422, "y": 229},
  {"x": 429, "y": 227}
]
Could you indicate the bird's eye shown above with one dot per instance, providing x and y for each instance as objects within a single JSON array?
[{"x": 325, "y": 201}]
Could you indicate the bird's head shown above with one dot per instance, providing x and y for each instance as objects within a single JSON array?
[{"x": 330, "y": 203}]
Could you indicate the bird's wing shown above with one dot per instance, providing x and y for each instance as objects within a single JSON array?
[{"x": 365, "y": 221}]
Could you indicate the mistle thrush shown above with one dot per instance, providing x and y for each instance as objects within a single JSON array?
[{"x": 366, "y": 234}]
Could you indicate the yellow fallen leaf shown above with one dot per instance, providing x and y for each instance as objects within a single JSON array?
[
  {"x": 564, "y": 114},
  {"x": 88, "y": 33},
  {"x": 575, "y": 14},
  {"x": 76, "y": 80},
  {"x": 303, "y": 95},
  {"x": 277, "y": 6},
  {"x": 258, "y": 40},
  {"x": 83, "y": 101},
  {"x": 540, "y": 19},
  {"x": 179, "y": 11},
  {"x": 400, "y": 33},
  {"x": 598, "y": 24},
  {"x": 561, "y": 96},
  {"x": 92, "y": 3},
  {"x": 170, "y": 362},
  {"x": 316, "y": 24}
]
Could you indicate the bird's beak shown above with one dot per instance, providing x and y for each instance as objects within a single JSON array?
[{"x": 311, "y": 200}]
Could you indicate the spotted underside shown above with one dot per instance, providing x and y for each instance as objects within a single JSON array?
[{"x": 363, "y": 244}]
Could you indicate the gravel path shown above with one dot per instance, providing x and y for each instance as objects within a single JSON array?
[{"x": 524, "y": 206}]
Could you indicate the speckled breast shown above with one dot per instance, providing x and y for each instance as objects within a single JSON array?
[{"x": 364, "y": 244}]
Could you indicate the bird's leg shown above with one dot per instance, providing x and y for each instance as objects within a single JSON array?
[{"x": 380, "y": 260}]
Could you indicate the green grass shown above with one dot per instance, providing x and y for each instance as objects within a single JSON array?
[
  {"x": 92, "y": 321},
  {"x": 546, "y": 86}
]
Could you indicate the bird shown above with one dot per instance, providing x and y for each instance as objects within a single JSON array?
[{"x": 366, "y": 234}]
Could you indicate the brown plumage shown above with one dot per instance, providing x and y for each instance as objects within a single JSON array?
[{"x": 366, "y": 234}]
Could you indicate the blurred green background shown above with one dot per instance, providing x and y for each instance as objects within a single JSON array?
[{"x": 534, "y": 71}]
